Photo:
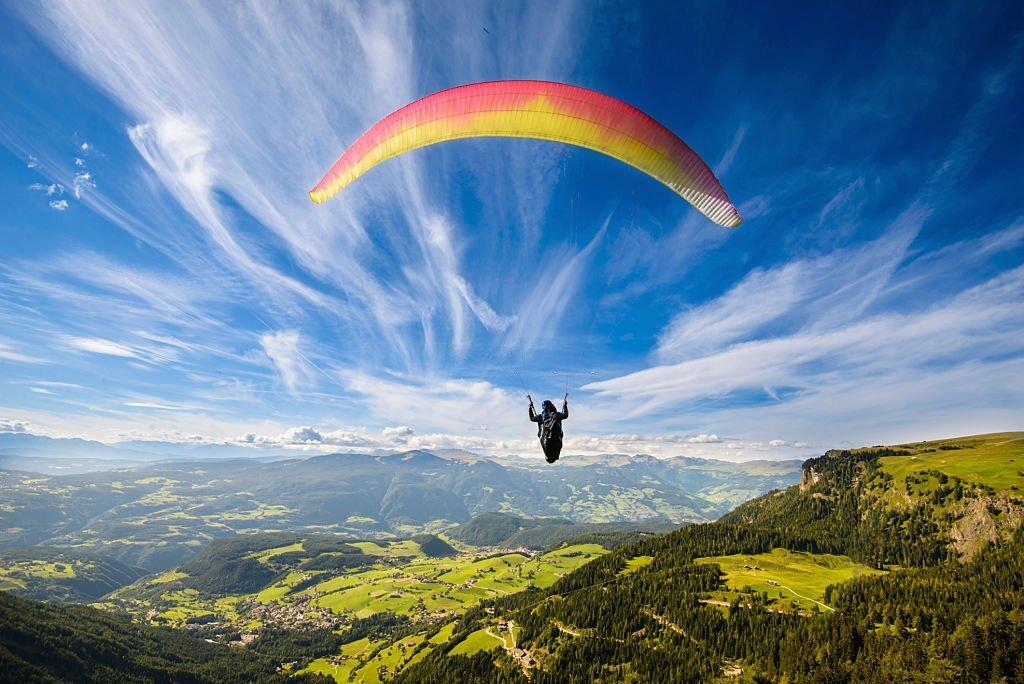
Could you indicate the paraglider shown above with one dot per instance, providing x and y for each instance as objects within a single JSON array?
[
  {"x": 542, "y": 110},
  {"x": 549, "y": 426},
  {"x": 545, "y": 111}
]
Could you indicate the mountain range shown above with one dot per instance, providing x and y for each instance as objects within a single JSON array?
[{"x": 156, "y": 514}]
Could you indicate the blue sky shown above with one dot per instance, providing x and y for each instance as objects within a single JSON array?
[{"x": 164, "y": 275}]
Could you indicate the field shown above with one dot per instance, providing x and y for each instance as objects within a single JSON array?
[
  {"x": 15, "y": 575},
  {"x": 480, "y": 640},
  {"x": 352, "y": 657},
  {"x": 438, "y": 586},
  {"x": 431, "y": 585},
  {"x": 792, "y": 580},
  {"x": 396, "y": 578},
  {"x": 634, "y": 564},
  {"x": 36, "y": 568},
  {"x": 995, "y": 460}
]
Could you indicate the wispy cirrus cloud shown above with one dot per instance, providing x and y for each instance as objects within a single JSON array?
[
  {"x": 206, "y": 133},
  {"x": 986, "y": 321},
  {"x": 154, "y": 405},
  {"x": 96, "y": 345},
  {"x": 822, "y": 291},
  {"x": 282, "y": 348},
  {"x": 10, "y": 352}
]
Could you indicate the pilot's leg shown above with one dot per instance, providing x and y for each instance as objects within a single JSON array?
[{"x": 552, "y": 450}]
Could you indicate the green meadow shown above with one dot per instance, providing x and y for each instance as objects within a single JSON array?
[
  {"x": 443, "y": 584},
  {"x": 361, "y": 661},
  {"x": 634, "y": 564},
  {"x": 480, "y": 640},
  {"x": 427, "y": 585},
  {"x": 995, "y": 460},
  {"x": 792, "y": 580}
]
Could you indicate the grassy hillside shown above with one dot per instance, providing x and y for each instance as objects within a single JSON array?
[
  {"x": 787, "y": 580},
  {"x": 508, "y": 531},
  {"x": 434, "y": 594},
  {"x": 875, "y": 538},
  {"x": 55, "y": 574},
  {"x": 995, "y": 460}
]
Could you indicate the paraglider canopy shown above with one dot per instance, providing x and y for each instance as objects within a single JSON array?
[{"x": 542, "y": 110}]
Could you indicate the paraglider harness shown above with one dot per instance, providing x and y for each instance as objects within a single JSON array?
[{"x": 549, "y": 427}]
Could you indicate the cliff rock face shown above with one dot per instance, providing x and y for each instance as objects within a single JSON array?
[
  {"x": 984, "y": 521},
  {"x": 810, "y": 476}
]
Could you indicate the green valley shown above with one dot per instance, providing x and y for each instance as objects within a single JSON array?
[{"x": 406, "y": 594}]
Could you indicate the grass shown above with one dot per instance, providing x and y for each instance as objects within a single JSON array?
[
  {"x": 791, "y": 579},
  {"x": 259, "y": 513},
  {"x": 264, "y": 556},
  {"x": 360, "y": 661},
  {"x": 403, "y": 549},
  {"x": 452, "y": 584},
  {"x": 480, "y": 640},
  {"x": 8, "y": 583},
  {"x": 444, "y": 634},
  {"x": 169, "y": 576},
  {"x": 350, "y": 659},
  {"x": 280, "y": 589},
  {"x": 996, "y": 460},
  {"x": 430, "y": 584},
  {"x": 634, "y": 564},
  {"x": 36, "y": 569},
  {"x": 403, "y": 582},
  {"x": 394, "y": 657}
]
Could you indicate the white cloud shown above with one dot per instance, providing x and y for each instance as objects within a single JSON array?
[
  {"x": 154, "y": 405},
  {"x": 49, "y": 189},
  {"x": 404, "y": 438},
  {"x": 82, "y": 182},
  {"x": 555, "y": 291},
  {"x": 59, "y": 385},
  {"x": 302, "y": 435},
  {"x": 986, "y": 321},
  {"x": 704, "y": 439},
  {"x": 178, "y": 148},
  {"x": 220, "y": 133},
  {"x": 308, "y": 435},
  {"x": 59, "y": 205},
  {"x": 98, "y": 345},
  {"x": 398, "y": 433},
  {"x": 779, "y": 443},
  {"x": 282, "y": 348},
  {"x": 13, "y": 425},
  {"x": 822, "y": 291},
  {"x": 439, "y": 404},
  {"x": 9, "y": 353}
]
